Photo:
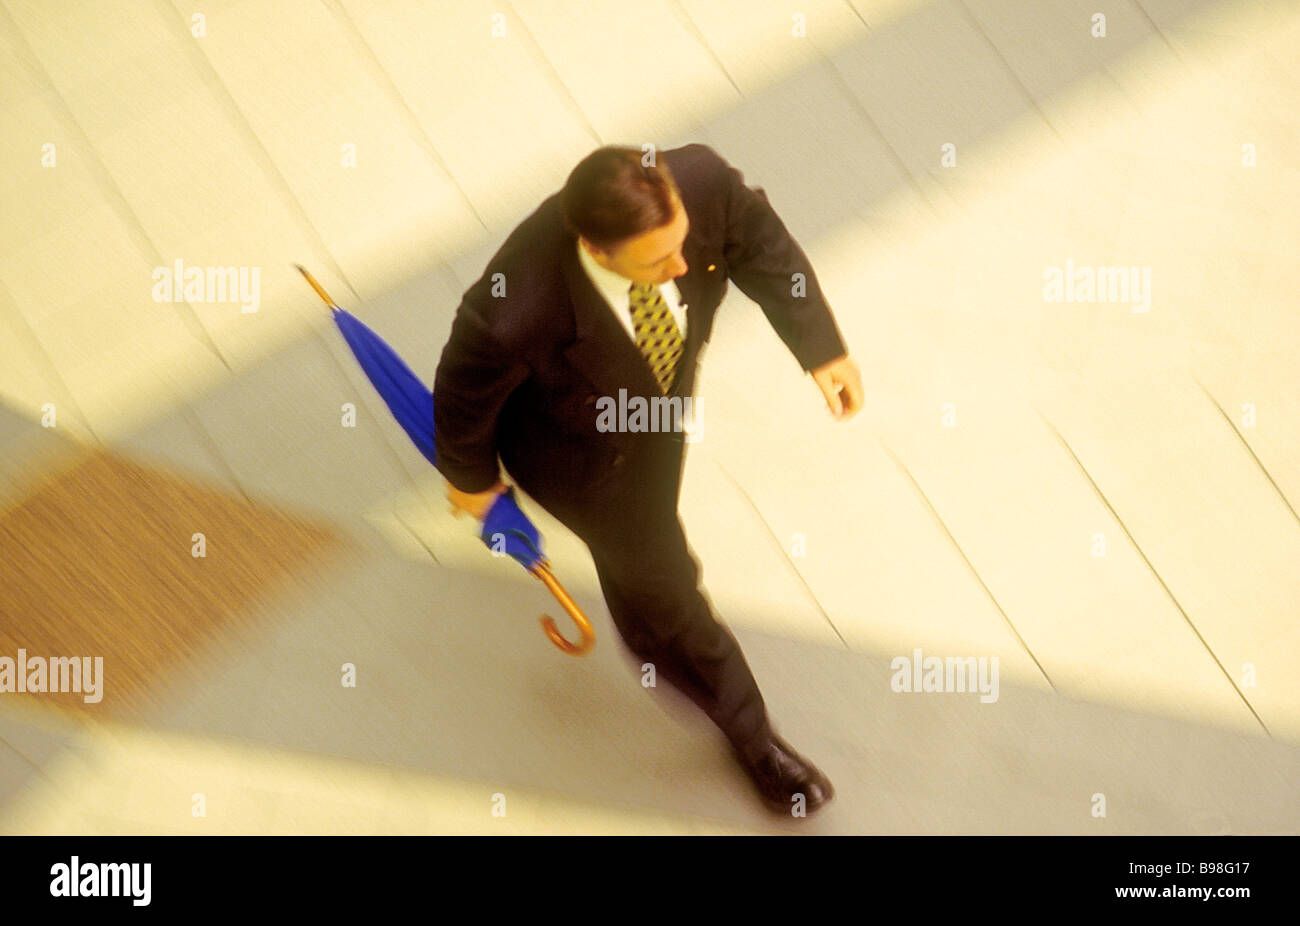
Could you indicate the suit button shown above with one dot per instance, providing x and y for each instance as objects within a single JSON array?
[
  {"x": 618, "y": 459},
  {"x": 590, "y": 400}
]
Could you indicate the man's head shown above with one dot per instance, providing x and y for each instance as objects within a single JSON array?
[{"x": 629, "y": 218}]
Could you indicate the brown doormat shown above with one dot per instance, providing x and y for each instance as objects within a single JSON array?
[{"x": 101, "y": 585}]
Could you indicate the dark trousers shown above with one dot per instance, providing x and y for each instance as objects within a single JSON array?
[{"x": 650, "y": 582}]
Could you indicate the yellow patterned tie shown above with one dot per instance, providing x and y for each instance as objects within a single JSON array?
[{"x": 657, "y": 335}]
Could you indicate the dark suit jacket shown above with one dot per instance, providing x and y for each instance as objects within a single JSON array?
[{"x": 522, "y": 371}]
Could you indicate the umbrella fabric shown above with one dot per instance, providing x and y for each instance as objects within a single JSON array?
[
  {"x": 411, "y": 403},
  {"x": 518, "y": 535},
  {"x": 407, "y": 397}
]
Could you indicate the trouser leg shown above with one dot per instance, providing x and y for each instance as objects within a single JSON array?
[
  {"x": 653, "y": 596},
  {"x": 650, "y": 582}
]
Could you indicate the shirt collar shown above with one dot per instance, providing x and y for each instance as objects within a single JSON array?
[{"x": 613, "y": 286}]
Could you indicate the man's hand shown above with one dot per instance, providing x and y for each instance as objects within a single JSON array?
[
  {"x": 476, "y": 503},
  {"x": 841, "y": 384}
]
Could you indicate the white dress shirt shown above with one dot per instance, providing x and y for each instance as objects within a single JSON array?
[{"x": 614, "y": 288}]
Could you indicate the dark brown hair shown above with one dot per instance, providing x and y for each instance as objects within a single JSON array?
[{"x": 610, "y": 197}]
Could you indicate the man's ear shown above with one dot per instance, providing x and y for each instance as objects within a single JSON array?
[{"x": 600, "y": 256}]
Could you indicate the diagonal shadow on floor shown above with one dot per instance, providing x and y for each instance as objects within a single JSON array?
[{"x": 455, "y": 678}]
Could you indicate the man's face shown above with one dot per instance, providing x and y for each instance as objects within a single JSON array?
[{"x": 655, "y": 257}]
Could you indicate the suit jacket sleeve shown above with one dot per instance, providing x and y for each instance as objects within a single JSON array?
[
  {"x": 474, "y": 379},
  {"x": 762, "y": 260}
]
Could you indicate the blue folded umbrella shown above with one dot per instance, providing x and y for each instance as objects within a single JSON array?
[
  {"x": 407, "y": 397},
  {"x": 505, "y": 527}
]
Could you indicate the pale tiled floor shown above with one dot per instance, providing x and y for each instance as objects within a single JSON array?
[
  {"x": 115, "y": 779},
  {"x": 1073, "y": 421}
]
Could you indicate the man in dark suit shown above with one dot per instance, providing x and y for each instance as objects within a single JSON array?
[{"x": 612, "y": 284}]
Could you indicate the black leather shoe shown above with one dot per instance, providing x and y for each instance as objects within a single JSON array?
[{"x": 781, "y": 774}]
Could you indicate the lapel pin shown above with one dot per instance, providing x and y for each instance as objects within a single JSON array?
[{"x": 713, "y": 266}]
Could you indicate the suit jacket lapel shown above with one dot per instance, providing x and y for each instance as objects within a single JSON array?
[
  {"x": 692, "y": 290},
  {"x": 603, "y": 351}
]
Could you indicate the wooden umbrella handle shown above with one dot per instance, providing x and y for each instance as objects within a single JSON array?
[{"x": 570, "y": 607}]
